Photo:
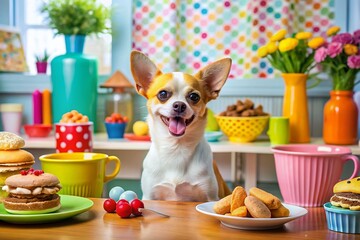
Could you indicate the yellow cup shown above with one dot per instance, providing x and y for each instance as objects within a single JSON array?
[{"x": 80, "y": 174}]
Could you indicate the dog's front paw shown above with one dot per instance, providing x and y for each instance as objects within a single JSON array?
[
  {"x": 188, "y": 192},
  {"x": 164, "y": 191}
]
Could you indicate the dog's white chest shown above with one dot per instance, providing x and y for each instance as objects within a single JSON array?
[{"x": 180, "y": 177}]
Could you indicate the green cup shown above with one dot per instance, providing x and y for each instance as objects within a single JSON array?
[{"x": 279, "y": 131}]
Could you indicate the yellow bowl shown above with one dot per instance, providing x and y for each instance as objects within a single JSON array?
[{"x": 242, "y": 129}]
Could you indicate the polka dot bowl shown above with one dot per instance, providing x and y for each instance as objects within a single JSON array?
[
  {"x": 73, "y": 137},
  {"x": 242, "y": 129}
]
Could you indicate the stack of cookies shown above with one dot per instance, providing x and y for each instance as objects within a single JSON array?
[
  {"x": 12, "y": 158},
  {"x": 258, "y": 204}
]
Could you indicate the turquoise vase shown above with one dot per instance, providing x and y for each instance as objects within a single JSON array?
[{"x": 74, "y": 78}]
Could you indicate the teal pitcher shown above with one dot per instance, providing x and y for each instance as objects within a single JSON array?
[{"x": 74, "y": 78}]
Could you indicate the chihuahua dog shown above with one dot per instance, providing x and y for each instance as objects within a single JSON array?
[{"x": 179, "y": 165}]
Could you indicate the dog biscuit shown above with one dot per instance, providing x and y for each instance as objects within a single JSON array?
[
  {"x": 280, "y": 212},
  {"x": 244, "y": 108},
  {"x": 257, "y": 208},
  {"x": 238, "y": 198},
  {"x": 10, "y": 141},
  {"x": 268, "y": 199},
  {"x": 223, "y": 205},
  {"x": 239, "y": 212}
]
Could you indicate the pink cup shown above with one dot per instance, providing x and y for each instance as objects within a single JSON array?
[
  {"x": 307, "y": 173},
  {"x": 73, "y": 137}
]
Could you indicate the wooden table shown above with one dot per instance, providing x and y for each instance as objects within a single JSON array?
[{"x": 184, "y": 223}]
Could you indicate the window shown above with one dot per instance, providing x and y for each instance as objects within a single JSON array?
[{"x": 38, "y": 37}]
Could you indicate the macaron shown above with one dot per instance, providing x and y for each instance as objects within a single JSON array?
[{"x": 32, "y": 192}]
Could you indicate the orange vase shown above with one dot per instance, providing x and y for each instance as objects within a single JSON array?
[
  {"x": 340, "y": 119},
  {"x": 295, "y": 106}
]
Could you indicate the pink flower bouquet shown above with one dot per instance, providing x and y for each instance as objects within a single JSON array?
[{"x": 341, "y": 58}]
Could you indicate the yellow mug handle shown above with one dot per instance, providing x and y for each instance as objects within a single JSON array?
[{"x": 117, "y": 162}]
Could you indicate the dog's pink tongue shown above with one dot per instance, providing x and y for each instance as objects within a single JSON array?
[{"x": 177, "y": 126}]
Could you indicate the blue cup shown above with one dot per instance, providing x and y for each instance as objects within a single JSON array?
[{"x": 115, "y": 130}]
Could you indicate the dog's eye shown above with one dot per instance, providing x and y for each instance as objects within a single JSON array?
[
  {"x": 163, "y": 95},
  {"x": 194, "y": 97}
]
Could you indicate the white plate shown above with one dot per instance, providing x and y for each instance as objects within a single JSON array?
[{"x": 247, "y": 223}]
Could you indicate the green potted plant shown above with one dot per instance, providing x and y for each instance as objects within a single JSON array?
[
  {"x": 76, "y": 19},
  {"x": 42, "y": 62}
]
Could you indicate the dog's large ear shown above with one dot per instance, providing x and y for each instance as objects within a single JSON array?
[
  {"x": 143, "y": 71},
  {"x": 214, "y": 76}
]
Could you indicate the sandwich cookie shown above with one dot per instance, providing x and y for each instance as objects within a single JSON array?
[
  {"x": 32, "y": 192},
  {"x": 347, "y": 194},
  {"x": 12, "y": 158}
]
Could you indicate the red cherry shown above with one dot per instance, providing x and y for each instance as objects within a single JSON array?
[
  {"x": 122, "y": 201},
  {"x": 109, "y": 205},
  {"x": 136, "y": 204},
  {"x": 23, "y": 172},
  {"x": 123, "y": 210}
]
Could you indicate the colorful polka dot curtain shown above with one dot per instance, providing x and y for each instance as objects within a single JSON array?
[{"x": 186, "y": 35}]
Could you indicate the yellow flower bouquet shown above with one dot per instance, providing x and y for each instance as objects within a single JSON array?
[
  {"x": 294, "y": 57},
  {"x": 292, "y": 54}
]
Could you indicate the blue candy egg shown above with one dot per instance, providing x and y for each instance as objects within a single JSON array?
[
  {"x": 128, "y": 195},
  {"x": 116, "y": 192}
]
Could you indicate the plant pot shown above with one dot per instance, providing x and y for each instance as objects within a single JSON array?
[
  {"x": 41, "y": 67},
  {"x": 295, "y": 107},
  {"x": 340, "y": 119}
]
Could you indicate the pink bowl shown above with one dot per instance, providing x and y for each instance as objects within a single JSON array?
[{"x": 307, "y": 173}]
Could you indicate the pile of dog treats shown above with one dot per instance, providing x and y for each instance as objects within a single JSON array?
[{"x": 244, "y": 108}]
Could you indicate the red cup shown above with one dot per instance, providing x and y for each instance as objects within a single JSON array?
[{"x": 73, "y": 137}]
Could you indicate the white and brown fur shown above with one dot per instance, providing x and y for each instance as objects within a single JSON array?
[{"x": 179, "y": 165}]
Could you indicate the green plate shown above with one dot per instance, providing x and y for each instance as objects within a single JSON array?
[{"x": 70, "y": 206}]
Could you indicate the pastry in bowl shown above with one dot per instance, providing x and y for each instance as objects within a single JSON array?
[
  {"x": 343, "y": 210},
  {"x": 32, "y": 192},
  {"x": 243, "y": 122}
]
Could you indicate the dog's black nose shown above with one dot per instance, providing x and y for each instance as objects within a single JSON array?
[{"x": 179, "y": 107}]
